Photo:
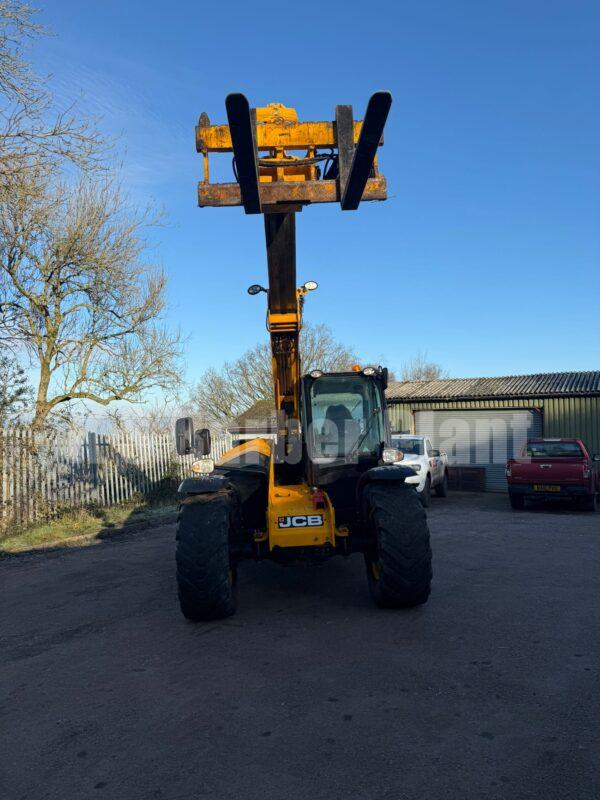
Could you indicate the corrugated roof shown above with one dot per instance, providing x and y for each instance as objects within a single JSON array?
[{"x": 542, "y": 385}]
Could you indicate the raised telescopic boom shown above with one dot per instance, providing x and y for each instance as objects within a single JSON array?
[
  {"x": 281, "y": 165},
  {"x": 331, "y": 484}
]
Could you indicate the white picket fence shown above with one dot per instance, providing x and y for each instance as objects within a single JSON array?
[{"x": 41, "y": 475}]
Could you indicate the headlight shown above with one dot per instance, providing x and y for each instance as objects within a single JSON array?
[
  {"x": 369, "y": 371},
  {"x": 316, "y": 373},
  {"x": 391, "y": 456},
  {"x": 416, "y": 467},
  {"x": 203, "y": 466}
]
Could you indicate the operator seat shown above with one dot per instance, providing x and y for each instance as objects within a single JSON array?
[
  {"x": 336, "y": 424},
  {"x": 338, "y": 414}
]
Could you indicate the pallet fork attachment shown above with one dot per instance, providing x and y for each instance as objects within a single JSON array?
[{"x": 282, "y": 164}]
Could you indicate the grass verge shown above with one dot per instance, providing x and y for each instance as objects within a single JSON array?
[{"x": 75, "y": 526}]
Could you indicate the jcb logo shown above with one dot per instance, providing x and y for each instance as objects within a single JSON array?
[{"x": 304, "y": 521}]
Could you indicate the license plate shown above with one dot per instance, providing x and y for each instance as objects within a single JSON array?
[{"x": 542, "y": 487}]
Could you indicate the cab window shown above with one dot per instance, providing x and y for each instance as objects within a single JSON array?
[{"x": 346, "y": 416}]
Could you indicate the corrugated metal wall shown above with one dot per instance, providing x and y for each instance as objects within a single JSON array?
[
  {"x": 561, "y": 416},
  {"x": 483, "y": 437}
]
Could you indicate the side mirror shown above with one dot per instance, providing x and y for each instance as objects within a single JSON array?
[
  {"x": 385, "y": 378},
  {"x": 202, "y": 443},
  {"x": 435, "y": 453},
  {"x": 184, "y": 435}
]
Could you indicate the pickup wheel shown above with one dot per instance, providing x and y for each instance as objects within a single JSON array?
[
  {"x": 517, "y": 501},
  {"x": 399, "y": 560},
  {"x": 206, "y": 577},
  {"x": 590, "y": 503},
  {"x": 442, "y": 488},
  {"x": 425, "y": 495}
]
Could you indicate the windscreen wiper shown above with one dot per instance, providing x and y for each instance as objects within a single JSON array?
[{"x": 364, "y": 434}]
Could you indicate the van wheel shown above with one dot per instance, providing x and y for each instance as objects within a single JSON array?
[
  {"x": 517, "y": 501},
  {"x": 425, "y": 495},
  {"x": 206, "y": 577},
  {"x": 442, "y": 488},
  {"x": 399, "y": 560}
]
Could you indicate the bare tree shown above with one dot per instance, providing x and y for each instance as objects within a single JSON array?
[
  {"x": 222, "y": 395},
  {"x": 32, "y": 131},
  {"x": 15, "y": 391},
  {"x": 155, "y": 419},
  {"x": 420, "y": 369},
  {"x": 77, "y": 294}
]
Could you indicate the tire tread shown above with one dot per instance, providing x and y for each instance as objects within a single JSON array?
[
  {"x": 204, "y": 584},
  {"x": 403, "y": 547}
]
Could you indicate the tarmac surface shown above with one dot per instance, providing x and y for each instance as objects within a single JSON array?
[{"x": 489, "y": 692}]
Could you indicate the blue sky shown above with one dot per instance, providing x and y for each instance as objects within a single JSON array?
[{"x": 486, "y": 253}]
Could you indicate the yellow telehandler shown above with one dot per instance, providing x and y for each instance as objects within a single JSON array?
[{"x": 329, "y": 482}]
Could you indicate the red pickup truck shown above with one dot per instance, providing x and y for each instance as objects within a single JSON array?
[{"x": 554, "y": 468}]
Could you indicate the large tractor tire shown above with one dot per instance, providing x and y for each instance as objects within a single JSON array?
[
  {"x": 399, "y": 562},
  {"x": 206, "y": 580}
]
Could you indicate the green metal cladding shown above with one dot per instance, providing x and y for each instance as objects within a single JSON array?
[{"x": 562, "y": 416}]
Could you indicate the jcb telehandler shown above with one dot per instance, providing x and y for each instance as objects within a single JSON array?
[{"x": 330, "y": 482}]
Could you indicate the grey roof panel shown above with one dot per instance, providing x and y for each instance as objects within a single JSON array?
[{"x": 544, "y": 384}]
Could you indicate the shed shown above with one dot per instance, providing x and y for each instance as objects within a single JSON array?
[
  {"x": 483, "y": 421},
  {"x": 260, "y": 420}
]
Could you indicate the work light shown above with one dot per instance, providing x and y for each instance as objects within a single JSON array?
[{"x": 256, "y": 288}]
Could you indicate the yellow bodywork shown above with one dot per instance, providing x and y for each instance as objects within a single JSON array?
[
  {"x": 272, "y": 131},
  {"x": 255, "y": 447},
  {"x": 292, "y": 518}
]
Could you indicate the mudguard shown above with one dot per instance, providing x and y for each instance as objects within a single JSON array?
[
  {"x": 203, "y": 485},
  {"x": 386, "y": 473}
]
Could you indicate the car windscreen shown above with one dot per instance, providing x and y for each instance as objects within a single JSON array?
[
  {"x": 554, "y": 450},
  {"x": 412, "y": 447}
]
